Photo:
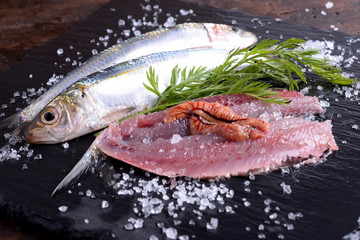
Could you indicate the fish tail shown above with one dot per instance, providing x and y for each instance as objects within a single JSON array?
[
  {"x": 88, "y": 160},
  {"x": 11, "y": 121}
]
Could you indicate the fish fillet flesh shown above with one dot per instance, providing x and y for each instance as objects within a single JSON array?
[{"x": 148, "y": 142}]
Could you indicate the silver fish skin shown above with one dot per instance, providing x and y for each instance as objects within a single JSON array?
[
  {"x": 115, "y": 93},
  {"x": 182, "y": 36}
]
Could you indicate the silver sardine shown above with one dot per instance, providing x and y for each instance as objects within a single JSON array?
[
  {"x": 112, "y": 94},
  {"x": 182, "y": 36}
]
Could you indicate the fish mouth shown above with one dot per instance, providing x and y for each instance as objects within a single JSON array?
[{"x": 35, "y": 136}]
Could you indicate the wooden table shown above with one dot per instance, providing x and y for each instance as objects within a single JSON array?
[{"x": 25, "y": 25}]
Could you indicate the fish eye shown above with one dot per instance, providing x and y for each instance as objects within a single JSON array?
[{"x": 50, "y": 116}]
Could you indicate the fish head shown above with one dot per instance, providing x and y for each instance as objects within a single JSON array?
[
  {"x": 226, "y": 36},
  {"x": 61, "y": 120}
]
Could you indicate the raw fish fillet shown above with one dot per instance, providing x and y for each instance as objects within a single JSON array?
[{"x": 167, "y": 149}]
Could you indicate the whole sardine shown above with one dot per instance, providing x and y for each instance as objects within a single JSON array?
[
  {"x": 182, "y": 36},
  {"x": 112, "y": 94}
]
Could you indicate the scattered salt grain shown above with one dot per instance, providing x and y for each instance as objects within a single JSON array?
[
  {"x": 121, "y": 22},
  {"x": 176, "y": 138},
  {"x": 261, "y": 227},
  {"x": 86, "y": 221},
  {"x": 129, "y": 227},
  {"x": 38, "y": 157},
  {"x": 261, "y": 236},
  {"x": 329, "y": 5},
  {"x": 324, "y": 103},
  {"x": 294, "y": 216},
  {"x": 184, "y": 237},
  {"x": 24, "y": 167},
  {"x": 63, "y": 208},
  {"x": 171, "y": 233},
  {"x": 286, "y": 188},
  {"x": 213, "y": 224},
  {"x": 355, "y": 126},
  {"x": 60, "y": 51},
  {"x": 153, "y": 237},
  {"x": 323, "y": 13},
  {"x": 139, "y": 223},
  {"x": 281, "y": 236},
  {"x": 65, "y": 145},
  {"x": 273, "y": 216},
  {"x": 104, "y": 204},
  {"x": 307, "y": 10}
]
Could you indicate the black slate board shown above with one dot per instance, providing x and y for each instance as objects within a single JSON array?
[{"x": 326, "y": 194}]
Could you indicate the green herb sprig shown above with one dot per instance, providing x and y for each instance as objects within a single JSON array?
[{"x": 246, "y": 71}]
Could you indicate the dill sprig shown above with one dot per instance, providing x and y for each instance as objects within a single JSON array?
[{"x": 246, "y": 71}]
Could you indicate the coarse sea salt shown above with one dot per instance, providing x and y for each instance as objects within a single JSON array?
[
  {"x": 63, "y": 208},
  {"x": 329, "y": 5},
  {"x": 171, "y": 233},
  {"x": 213, "y": 224}
]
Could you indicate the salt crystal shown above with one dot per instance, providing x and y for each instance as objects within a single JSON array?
[
  {"x": 63, "y": 208},
  {"x": 153, "y": 237},
  {"x": 65, "y": 145},
  {"x": 324, "y": 103},
  {"x": 329, "y": 5},
  {"x": 160, "y": 225},
  {"x": 261, "y": 227},
  {"x": 213, "y": 224},
  {"x": 60, "y": 51},
  {"x": 104, "y": 204},
  {"x": 94, "y": 52},
  {"x": 129, "y": 227},
  {"x": 170, "y": 22},
  {"x": 261, "y": 236},
  {"x": 88, "y": 193},
  {"x": 184, "y": 237},
  {"x": 121, "y": 22},
  {"x": 267, "y": 201},
  {"x": 355, "y": 126},
  {"x": 24, "y": 167},
  {"x": 38, "y": 157},
  {"x": 286, "y": 188},
  {"x": 176, "y": 138},
  {"x": 171, "y": 233},
  {"x": 293, "y": 216},
  {"x": 126, "y": 32},
  {"x": 323, "y": 13},
  {"x": 86, "y": 221},
  {"x": 184, "y": 12},
  {"x": 307, "y": 10},
  {"x": 273, "y": 216},
  {"x": 247, "y": 204},
  {"x": 281, "y": 236},
  {"x": 139, "y": 223}
]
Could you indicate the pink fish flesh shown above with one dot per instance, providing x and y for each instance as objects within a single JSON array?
[{"x": 149, "y": 143}]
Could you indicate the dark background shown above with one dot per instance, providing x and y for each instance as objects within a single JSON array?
[{"x": 25, "y": 25}]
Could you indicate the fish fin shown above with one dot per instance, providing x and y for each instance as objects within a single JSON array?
[
  {"x": 81, "y": 167},
  {"x": 11, "y": 121}
]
